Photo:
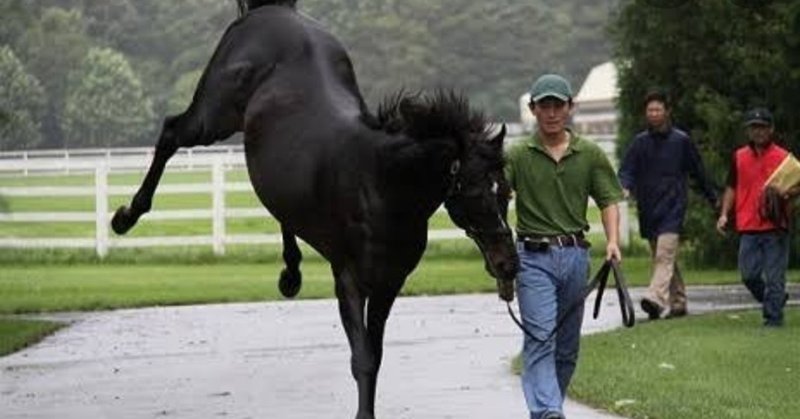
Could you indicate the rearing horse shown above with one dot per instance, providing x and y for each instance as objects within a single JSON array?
[{"x": 359, "y": 188}]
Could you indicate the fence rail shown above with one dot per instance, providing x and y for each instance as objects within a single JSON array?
[
  {"x": 48, "y": 162},
  {"x": 218, "y": 162}
]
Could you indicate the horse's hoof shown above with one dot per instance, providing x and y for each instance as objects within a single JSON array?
[
  {"x": 122, "y": 221},
  {"x": 290, "y": 282}
]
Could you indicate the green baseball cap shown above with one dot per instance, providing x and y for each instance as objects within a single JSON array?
[{"x": 551, "y": 85}]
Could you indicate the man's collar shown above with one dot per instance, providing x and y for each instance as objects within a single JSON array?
[
  {"x": 753, "y": 147},
  {"x": 575, "y": 142},
  {"x": 663, "y": 130}
]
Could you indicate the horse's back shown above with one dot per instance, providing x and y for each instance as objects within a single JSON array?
[
  {"x": 292, "y": 63},
  {"x": 302, "y": 118}
]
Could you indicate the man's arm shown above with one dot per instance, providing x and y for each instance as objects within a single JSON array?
[
  {"x": 610, "y": 218},
  {"x": 727, "y": 205},
  {"x": 698, "y": 174},
  {"x": 627, "y": 170}
]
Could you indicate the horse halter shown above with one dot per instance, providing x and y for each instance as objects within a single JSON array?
[{"x": 455, "y": 191}]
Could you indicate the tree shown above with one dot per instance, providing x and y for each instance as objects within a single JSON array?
[
  {"x": 51, "y": 48},
  {"x": 105, "y": 103},
  {"x": 183, "y": 91},
  {"x": 716, "y": 58},
  {"x": 21, "y": 104}
]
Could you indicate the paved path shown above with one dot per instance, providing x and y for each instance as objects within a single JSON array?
[{"x": 445, "y": 357}]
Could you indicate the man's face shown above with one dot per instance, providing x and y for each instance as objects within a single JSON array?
[
  {"x": 551, "y": 115},
  {"x": 759, "y": 134},
  {"x": 656, "y": 114}
]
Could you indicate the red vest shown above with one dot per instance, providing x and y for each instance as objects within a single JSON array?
[{"x": 752, "y": 171}]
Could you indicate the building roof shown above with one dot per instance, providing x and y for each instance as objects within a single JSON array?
[{"x": 600, "y": 84}]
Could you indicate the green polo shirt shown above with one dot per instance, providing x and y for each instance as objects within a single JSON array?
[{"x": 552, "y": 197}]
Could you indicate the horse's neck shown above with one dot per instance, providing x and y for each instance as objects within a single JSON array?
[{"x": 415, "y": 173}]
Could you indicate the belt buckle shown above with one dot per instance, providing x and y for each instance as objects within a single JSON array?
[{"x": 532, "y": 245}]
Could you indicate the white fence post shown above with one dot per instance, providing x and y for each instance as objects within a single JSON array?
[
  {"x": 218, "y": 206},
  {"x": 101, "y": 210},
  {"x": 624, "y": 224}
]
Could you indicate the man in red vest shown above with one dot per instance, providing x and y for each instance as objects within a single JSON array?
[{"x": 763, "y": 243}]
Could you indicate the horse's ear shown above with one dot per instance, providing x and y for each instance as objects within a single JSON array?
[{"x": 497, "y": 140}]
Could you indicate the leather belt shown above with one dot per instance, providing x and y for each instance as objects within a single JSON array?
[{"x": 541, "y": 243}]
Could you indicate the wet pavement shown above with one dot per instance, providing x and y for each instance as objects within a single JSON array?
[{"x": 444, "y": 357}]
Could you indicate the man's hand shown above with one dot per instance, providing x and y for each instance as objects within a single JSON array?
[
  {"x": 791, "y": 192},
  {"x": 722, "y": 222},
  {"x": 613, "y": 252},
  {"x": 626, "y": 193}
]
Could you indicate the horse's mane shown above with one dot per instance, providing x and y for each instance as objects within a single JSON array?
[
  {"x": 444, "y": 113},
  {"x": 245, "y": 5}
]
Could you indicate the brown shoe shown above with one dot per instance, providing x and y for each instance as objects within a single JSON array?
[{"x": 652, "y": 309}]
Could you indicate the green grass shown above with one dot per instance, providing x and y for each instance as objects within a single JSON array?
[
  {"x": 81, "y": 287},
  {"x": 724, "y": 365},
  {"x": 16, "y": 334}
]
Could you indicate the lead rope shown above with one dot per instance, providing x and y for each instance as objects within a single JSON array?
[{"x": 600, "y": 280}]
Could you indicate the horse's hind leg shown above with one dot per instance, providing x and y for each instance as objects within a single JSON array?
[{"x": 291, "y": 279}]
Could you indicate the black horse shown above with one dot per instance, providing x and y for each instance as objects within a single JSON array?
[{"x": 359, "y": 188}]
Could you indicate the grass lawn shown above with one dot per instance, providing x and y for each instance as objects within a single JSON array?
[
  {"x": 16, "y": 334},
  {"x": 723, "y": 365},
  {"x": 31, "y": 289}
]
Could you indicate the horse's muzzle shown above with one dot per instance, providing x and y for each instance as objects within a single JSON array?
[{"x": 500, "y": 255}]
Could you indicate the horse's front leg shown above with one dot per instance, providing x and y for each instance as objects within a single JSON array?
[
  {"x": 363, "y": 363},
  {"x": 126, "y": 217}
]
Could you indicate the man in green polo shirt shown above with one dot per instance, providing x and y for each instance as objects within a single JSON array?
[{"x": 553, "y": 174}]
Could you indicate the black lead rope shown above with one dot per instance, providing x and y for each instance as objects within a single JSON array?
[{"x": 599, "y": 281}]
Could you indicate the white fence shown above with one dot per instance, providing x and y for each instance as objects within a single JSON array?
[
  {"x": 25, "y": 163},
  {"x": 102, "y": 162}
]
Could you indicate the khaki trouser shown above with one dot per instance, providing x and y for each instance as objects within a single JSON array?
[{"x": 666, "y": 285}]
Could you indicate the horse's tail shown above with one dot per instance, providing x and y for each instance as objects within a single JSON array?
[{"x": 246, "y": 5}]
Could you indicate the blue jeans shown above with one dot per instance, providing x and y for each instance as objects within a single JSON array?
[
  {"x": 550, "y": 282},
  {"x": 763, "y": 259}
]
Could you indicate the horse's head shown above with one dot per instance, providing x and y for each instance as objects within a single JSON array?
[
  {"x": 455, "y": 144},
  {"x": 478, "y": 202}
]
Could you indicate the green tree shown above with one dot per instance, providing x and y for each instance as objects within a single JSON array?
[
  {"x": 51, "y": 48},
  {"x": 105, "y": 104},
  {"x": 490, "y": 50},
  {"x": 183, "y": 91},
  {"x": 716, "y": 58},
  {"x": 21, "y": 104}
]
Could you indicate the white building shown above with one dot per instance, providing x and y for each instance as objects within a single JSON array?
[{"x": 595, "y": 114}]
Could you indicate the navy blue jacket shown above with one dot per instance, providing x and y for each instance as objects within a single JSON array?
[{"x": 655, "y": 170}]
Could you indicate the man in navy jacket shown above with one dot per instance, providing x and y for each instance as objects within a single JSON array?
[{"x": 655, "y": 171}]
